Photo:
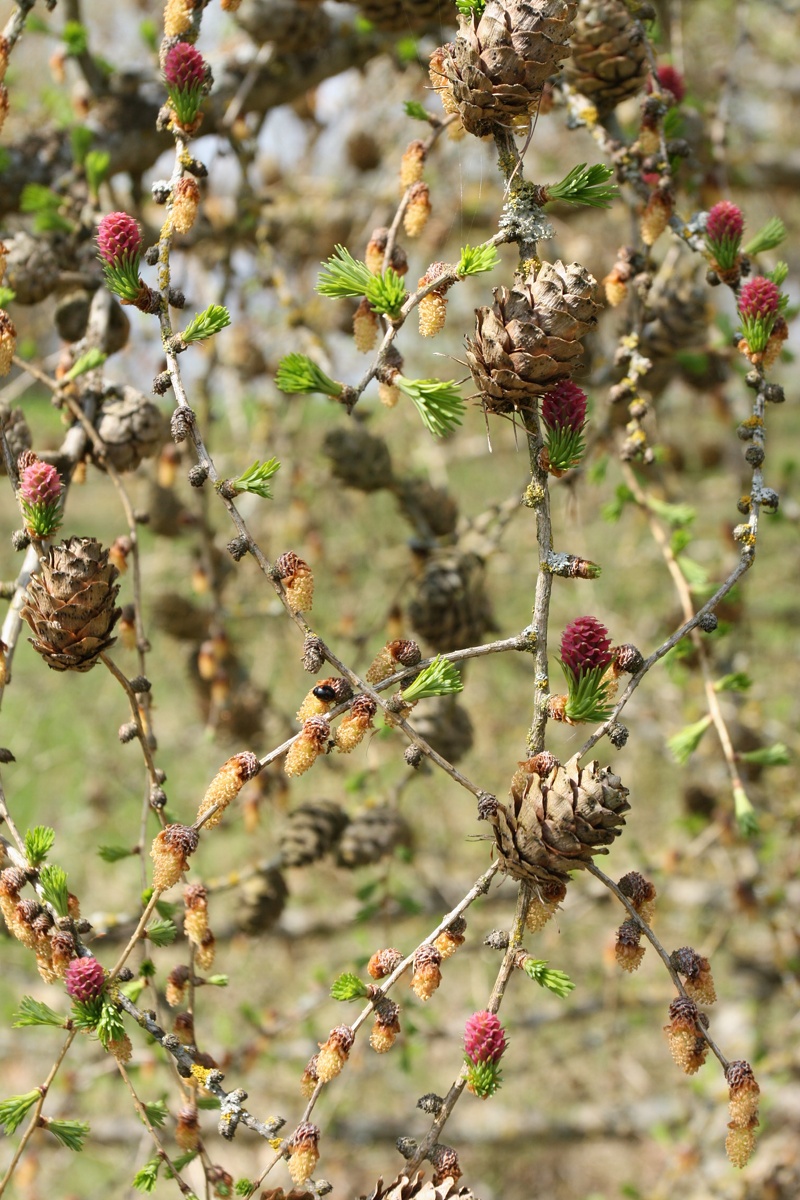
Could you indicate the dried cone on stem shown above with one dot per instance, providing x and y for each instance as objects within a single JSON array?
[
  {"x": 545, "y": 903},
  {"x": 697, "y": 972},
  {"x": 445, "y": 1164},
  {"x": 426, "y": 975},
  {"x": 627, "y": 950},
  {"x": 641, "y": 893},
  {"x": 298, "y": 581},
  {"x": 385, "y": 1027},
  {"x": 383, "y": 962},
  {"x": 303, "y": 1152},
  {"x": 450, "y": 606},
  {"x": 609, "y": 54},
  {"x": 226, "y": 785},
  {"x": 502, "y": 59},
  {"x": 558, "y": 823},
  {"x": 170, "y": 853},
  {"x": 70, "y": 605},
  {"x": 334, "y": 1052},
  {"x": 353, "y": 727},
  {"x": 305, "y": 749},
  {"x": 402, "y": 652},
  {"x": 530, "y": 338},
  {"x": 687, "y": 1045}
]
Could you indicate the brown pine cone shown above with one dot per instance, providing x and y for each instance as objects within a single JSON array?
[
  {"x": 70, "y": 605},
  {"x": 502, "y": 59},
  {"x": 312, "y": 830},
  {"x": 371, "y": 835},
  {"x": 530, "y": 338},
  {"x": 450, "y": 607},
  {"x": 262, "y": 899},
  {"x": 357, "y": 458},
  {"x": 18, "y": 434},
  {"x": 609, "y": 54},
  {"x": 446, "y": 726},
  {"x": 131, "y": 426},
  {"x": 407, "y": 16},
  {"x": 556, "y": 824}
]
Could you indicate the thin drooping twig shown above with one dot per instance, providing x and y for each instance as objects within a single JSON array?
[
  {"x": 36, "y": 1113},
  {"x": 161, "y": 1152}
]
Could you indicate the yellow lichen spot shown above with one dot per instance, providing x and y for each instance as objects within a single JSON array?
[{"x": 201, "y": 1074}]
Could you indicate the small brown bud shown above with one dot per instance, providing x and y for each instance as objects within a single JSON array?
[
  {"x": 445, "y": 1164},
  {"x": 313, "y": 658}
]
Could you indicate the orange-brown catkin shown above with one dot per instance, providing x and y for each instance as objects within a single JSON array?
[
  {"x": 426, "y": 975},
  {"x": 743, "y": 1092},
  {"x": 8, "y": 341},
  {"x": 641, "y": 893},
  {"x": 655, "y": 217},
  {"x": 365, "y": 327},
  {"x": 451, "y": 938},
  {"x": 226, "y": 785},
  {"x": 334, "y": 1052},
  {"x": 418, "y": 210},
  {"x": 177, "y": 17},
  {"x": 185, "y": 203},
  {"x": 699, "y": 982},
  {"x": 383, "y": 962},
  {"x": 353, "y": 727},
  {"x": 627, "y": 950},
  {"x": 305, "y": 750},
  {"x": 298, "y": 581},
  {"x": 544, "y": 904},
  {"x": 386, "y": 1026},
  {"x": 303, "y": 1152},
  {"x": 411, "y": 164},
  {"x": 687, "y": 1045},
  {"x": 170, "y": 853},
  {"x": 187, "y": 1130},
  {"x": 195, "y": 920}
]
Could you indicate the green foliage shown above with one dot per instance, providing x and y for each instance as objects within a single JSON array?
[
  {"x": 45, "y": 204},
  {"x": 96, "y": 166},
  {"x": 14, "y": 1110},
  {"x": 416, "y": 111},
  {"x": 218, "y": 980},
  {"x": 556, "y": 982},
  {"x": 112, "y": 854},
  {"x": 157, "y": 1112},
  {"x": 683, "y": 744},
  {"x": 768, "y": 756},
  {"x": 164, "y": 908},
  {"x": 53, "y": 881},
  {"x": 344, "y": 276},
  {"x": 348, "y": 987},
  {"x": 89, "y": 361},
  {"x": 134, "y": 989},
  {"x": 70, "y": 1133},
  {"x": 767, "y": 238},
  {"x": 80, "y": 139},
  {"x": 585, "y": 185},
  {"x": 439, "y": 678},
  {"x": 737, "y": 681},
  {"x": 674, "y": 514},
  {"x": 183, "y": 1160},
  {"x": 205, "y": 324},
  {"x": 477, "y": 259},
  {"x": 35, "y": 1012},
  {"x": 148, "y": 32},
  {"x": 75, "y": 38},
  {"x": 38, "y": 843},
  {"x": 778, "y": 276},
  {"x": 746, "y": 817},
  {"x": 438, "y": 403},
  {"x": 161, "y": 932},
  {"x": 469, "y": 8},
  {"x": 245, "y": 1187},
  {"x": 693, "y": 572},
  {"x": 298, "y": 374},
  {"x": 256, "y": 478},
  {"x": 146, "y": 1178},
  {"x": 110, "y": 1026},
  {"x": 612, "y": 511},
  {"x": 587, "y": 695},
  {"x": 86, "y": 1014},
  {"x": 7, "y": 294}
]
